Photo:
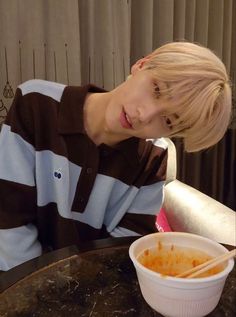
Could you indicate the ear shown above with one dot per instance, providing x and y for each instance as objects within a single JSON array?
[{"x": 139, "y": 64}]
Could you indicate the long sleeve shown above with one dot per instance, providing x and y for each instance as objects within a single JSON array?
[
  {"x": 140, "y": 217},
  {"x": 18, "y": 236}
]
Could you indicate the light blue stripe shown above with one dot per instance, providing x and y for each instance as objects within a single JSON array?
[
  {"x": 161, "y": 142},
  {"x": 53, "y": 189},
  {"x": 151, "y": 195},
  {"x": 101, "y": 199},
  {"x": 123, "y": 232},
  {"x": 18, "y": 245},
  {"x": 47, "y": 88}
]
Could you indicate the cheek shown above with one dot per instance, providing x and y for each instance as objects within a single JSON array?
[
  {"x": 157, "y": 129},
  {"x": 112, "y": 116}
]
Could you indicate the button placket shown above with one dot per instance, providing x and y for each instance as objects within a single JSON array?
[
  {"x": 89, "y": 170},
  {"x": 86, "y": 179}
]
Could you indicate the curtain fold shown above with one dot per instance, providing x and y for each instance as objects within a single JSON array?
[
  {"x": 80, "y": 41},
  {"x": 105, "y": 41}
]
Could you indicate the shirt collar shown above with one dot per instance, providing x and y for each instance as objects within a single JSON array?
[
  {"x": 70, "y": 118},
  {"x": 130, "y": 149}
]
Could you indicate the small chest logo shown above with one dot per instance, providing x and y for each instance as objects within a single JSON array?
[{"x": 57, "y": 173}]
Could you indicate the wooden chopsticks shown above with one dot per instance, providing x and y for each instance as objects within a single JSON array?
[{"x": 199, "y": 269}]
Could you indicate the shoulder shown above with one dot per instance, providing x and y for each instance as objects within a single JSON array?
[
  {"x": 153, "y": 149},
  {"x": 159, "y": 143},
  {"x": 153, "y": 161},
  {"x": 43, "y": 87}
]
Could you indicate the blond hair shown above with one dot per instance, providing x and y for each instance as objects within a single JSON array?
[{"x": 199, "y": 89}]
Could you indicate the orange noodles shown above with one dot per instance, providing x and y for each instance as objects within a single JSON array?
[{"x": 172, "y": 260}]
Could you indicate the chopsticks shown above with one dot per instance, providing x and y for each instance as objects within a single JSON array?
[{"x": 199, "y": 269}]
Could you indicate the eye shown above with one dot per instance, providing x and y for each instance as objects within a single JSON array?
[
  {"x": 167, "y": 122},
  {"x": 156, "y": 90}
]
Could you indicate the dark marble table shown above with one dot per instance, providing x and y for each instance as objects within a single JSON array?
[{"x": 96, "y": 281}]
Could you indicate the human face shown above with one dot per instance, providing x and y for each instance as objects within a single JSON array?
[{"x": 136, "y": 108}]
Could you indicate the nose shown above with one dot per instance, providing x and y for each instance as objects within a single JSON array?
[{"x": 148, "y": 112}]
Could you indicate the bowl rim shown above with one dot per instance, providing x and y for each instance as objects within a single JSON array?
[{"x": 212, "y": 278}]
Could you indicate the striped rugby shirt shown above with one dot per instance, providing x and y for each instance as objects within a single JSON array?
[{"x": 58, "y": 188}]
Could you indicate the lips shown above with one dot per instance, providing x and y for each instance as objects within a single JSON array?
[{"x": 125, "y": 120}]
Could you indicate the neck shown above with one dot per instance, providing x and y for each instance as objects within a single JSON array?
[
  {"x": 94, "y": 116},
  {"x": 94, "y": 119}
]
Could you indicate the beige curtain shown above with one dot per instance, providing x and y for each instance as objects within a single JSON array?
[{"x": 81, "y": 41}]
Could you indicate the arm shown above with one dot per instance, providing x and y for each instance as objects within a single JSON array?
[
  {"x": 18, "y": 238},
  {"x": 140, "y": 217}
]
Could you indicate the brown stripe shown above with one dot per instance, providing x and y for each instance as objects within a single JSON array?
[
  {"x": 57, "y": 232},
  {"x": 20, "y": 118},
  {"x": 17, "y": 204},
  {"x": 148, "y": 169},
  {"x": 142, "y": 224}
]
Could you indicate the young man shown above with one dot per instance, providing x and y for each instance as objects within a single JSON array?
[{"x": 80, "y": 163}]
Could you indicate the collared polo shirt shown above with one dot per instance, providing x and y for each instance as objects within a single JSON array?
[{"x": 55, "y": 178}]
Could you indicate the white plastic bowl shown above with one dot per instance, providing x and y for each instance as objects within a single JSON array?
[{"x": 180, "y": 297}]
